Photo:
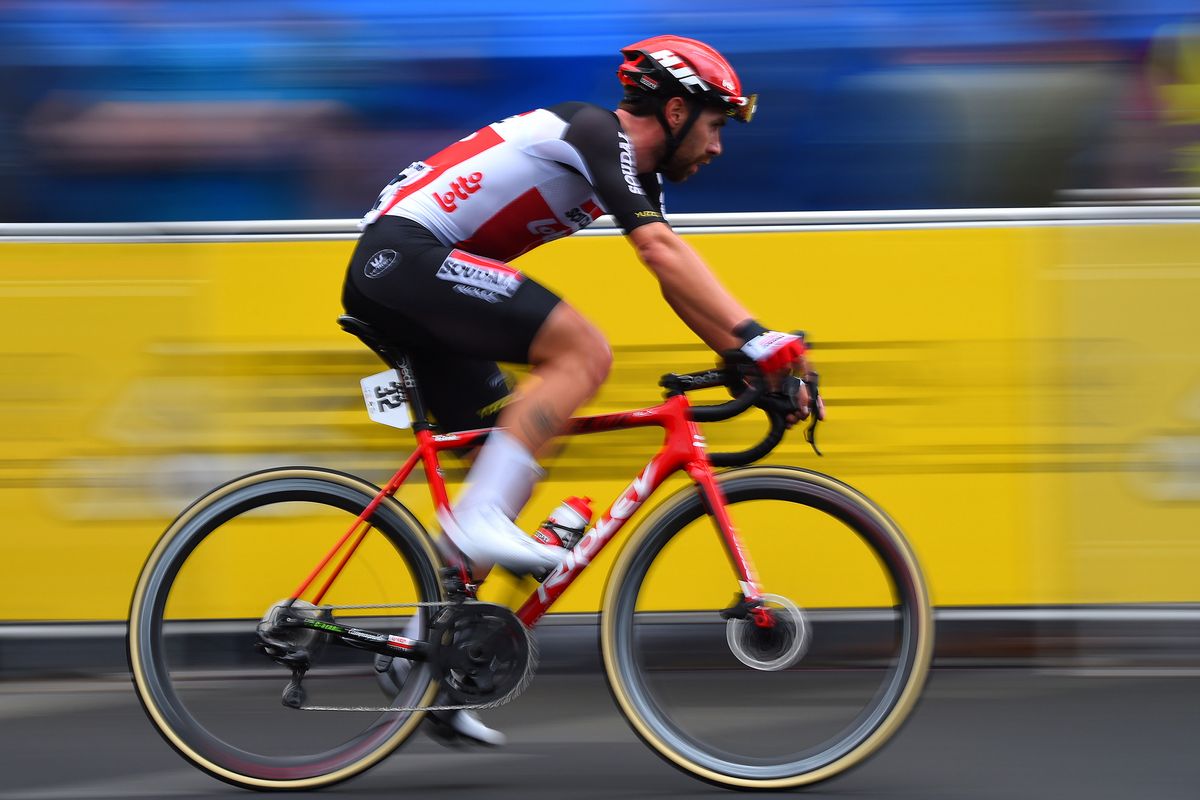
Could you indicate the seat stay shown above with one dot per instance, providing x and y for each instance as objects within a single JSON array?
[
  {"x": 357, "y": 526},
  {"x": 429, "y": 445}
]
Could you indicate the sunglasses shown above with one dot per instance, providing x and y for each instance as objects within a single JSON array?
[{"x": 741, "y": 108}]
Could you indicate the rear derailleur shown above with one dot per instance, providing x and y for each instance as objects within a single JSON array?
[{"x": 482, "y": 652}]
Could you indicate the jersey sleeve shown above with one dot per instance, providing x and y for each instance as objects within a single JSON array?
[{"x": 606, "y": 151}]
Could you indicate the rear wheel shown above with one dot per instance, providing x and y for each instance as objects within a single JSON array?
[
  {"x": 779, "y": 705},
  {"x": 219, "y": 570}
]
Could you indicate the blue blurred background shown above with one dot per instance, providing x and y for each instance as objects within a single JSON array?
[{"x": 123, "y": 110}]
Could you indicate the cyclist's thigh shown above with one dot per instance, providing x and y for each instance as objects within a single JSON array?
[
  {"x": 462, "y": 393},
  {"x": 444, "y": 298}
]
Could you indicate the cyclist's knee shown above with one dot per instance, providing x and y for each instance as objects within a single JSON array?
[
  {"x": 599, "y": 359},
  {"x": 590, "y": 353},
  {"x": 570, "y": 340}
]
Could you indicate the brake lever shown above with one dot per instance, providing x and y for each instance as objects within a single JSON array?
[
  {"x": 813, "y": 380},
  {"x": 742, "y": 371}
]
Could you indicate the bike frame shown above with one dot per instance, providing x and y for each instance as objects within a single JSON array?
[{"x": 683, "y": 449}]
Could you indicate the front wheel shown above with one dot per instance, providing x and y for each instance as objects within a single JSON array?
[
  {"x": 222, "y": 568},
  {"x": 768, "y": 706}
]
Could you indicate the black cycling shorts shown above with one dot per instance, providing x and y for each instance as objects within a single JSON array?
[{"x": 455, "y": 313}]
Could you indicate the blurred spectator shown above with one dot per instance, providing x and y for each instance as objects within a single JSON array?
[
  {"x": 184, "y": 109},
  {"x": 1174, "y": 70}
]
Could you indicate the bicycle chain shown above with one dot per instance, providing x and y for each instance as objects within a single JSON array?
[
  {"x": 515, "y": 692},
  {"x": 386, "y": 605}
]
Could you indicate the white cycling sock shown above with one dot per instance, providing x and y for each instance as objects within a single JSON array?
[{"x": 503, "y": 475}]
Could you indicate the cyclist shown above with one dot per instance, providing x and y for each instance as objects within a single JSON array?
[{"x": 431, "y": 270}]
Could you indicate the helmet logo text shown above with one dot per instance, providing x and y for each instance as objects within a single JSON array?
[{"x": 679, "y": 68}]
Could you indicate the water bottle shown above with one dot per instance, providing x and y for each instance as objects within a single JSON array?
[{"x": 566, "y": 524}]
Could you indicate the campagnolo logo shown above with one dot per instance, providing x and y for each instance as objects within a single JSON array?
[{"x": 380, "y": 263}]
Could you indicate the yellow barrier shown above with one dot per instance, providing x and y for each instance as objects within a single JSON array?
[{"x": 1025, "y": 401}]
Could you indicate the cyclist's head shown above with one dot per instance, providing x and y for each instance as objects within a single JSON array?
[{"x": 662, "y": 67}]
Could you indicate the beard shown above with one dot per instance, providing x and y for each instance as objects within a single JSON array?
[
  {"x": 675, "y": 172},
  {"x": 678, "y": 169}
]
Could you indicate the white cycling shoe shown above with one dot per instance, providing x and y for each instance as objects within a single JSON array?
[
  {"x": 445, "y": 727},
  {"x": 486, "y": 536},
  {"x": 452, "y": 727}
]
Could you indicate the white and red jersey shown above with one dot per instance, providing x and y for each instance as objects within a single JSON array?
[{"x": 524, "y": 181}]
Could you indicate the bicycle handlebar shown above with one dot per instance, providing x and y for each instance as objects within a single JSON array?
[
  {"x": 742, "y": 377},
  {"x": 709, "y": 379}
]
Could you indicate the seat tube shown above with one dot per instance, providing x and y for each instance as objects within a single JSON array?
[{"x": 701, "y": 472}]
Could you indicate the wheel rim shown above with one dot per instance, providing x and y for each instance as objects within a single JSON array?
[
  {"x": 754, "y": 754},
  {"x": 215, "y": 700}
]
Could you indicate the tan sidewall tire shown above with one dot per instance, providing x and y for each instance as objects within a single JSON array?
[
  {"x": 923, "y": 651},
  {"x": 136, "y": 647}
]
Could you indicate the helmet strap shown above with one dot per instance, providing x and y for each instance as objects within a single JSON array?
[{"x": 673, "y": 140}]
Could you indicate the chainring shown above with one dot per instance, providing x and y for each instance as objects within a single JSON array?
[{"x": 486, "y": 654}]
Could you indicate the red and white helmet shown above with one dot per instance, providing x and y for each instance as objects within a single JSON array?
[{"x": 675, "y": 66}]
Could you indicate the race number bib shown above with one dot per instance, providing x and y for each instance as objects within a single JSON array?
[{"x": 385, "y": 399}]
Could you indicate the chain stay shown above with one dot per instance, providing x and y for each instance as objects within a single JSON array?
[
  {"x": 513, "y": 694},
  {"x": 426, "y": 604}
]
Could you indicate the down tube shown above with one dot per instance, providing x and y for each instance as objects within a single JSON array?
[{"x": 597, "y": 537}]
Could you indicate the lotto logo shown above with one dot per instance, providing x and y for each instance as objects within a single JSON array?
[
  {"x": 460, "y": 189},
  {"x": 547, "y": 229}
]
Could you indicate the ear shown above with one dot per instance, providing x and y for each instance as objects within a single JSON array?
[{"x": 676, "y": 111}]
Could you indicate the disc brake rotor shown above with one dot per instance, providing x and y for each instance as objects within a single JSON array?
[{"x": 775, "y": 647}]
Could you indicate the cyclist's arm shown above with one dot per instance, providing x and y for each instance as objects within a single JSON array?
[{"x": 689, "y": 286}]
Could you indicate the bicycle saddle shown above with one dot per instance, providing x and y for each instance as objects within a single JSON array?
[{"x": 373, "y": 339}]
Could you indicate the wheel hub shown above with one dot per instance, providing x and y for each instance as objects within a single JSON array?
[
  {"x": 773, "y": 646},
  {"x": 290, "y": 643}
]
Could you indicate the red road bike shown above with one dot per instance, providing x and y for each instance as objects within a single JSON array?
[{"x": 771, "y": 653}]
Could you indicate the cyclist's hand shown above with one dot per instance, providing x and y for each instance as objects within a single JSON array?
[
  {"x": 780, "y": 355},
  {"x": 802, "y": 403},
  {"x": 776, "y": 354},
  {"x": 808, "y": 407}
]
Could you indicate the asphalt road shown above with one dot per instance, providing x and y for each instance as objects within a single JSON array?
[{"x": 978, "y": 733}]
